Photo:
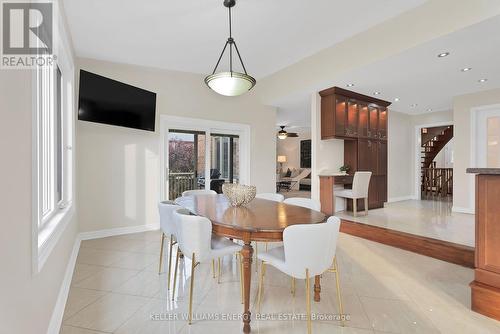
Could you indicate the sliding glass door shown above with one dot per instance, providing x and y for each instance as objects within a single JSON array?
[
  {"x": 196, "y": 159},
  {"x": 186, "y": 161}
]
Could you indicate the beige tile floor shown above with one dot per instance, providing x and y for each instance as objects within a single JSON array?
[
  {"x": 116, "y": 289},
  {"x": 433, "y": 219}
]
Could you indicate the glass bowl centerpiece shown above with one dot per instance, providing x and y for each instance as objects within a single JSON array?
[{"x": 238, "y": 194}]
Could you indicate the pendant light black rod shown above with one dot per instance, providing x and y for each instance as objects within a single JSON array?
[
  {"x": 239, "y": 56},
  {"x": 220, "y": 57},
  {"x": 230, "y": 41}
]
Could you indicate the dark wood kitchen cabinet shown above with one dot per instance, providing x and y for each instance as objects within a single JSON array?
[{"x": 361, "y": 121}]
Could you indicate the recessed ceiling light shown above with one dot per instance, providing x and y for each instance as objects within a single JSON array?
[
  {"x": 376, "y": 93},
  {"x": 413, "y": 105},
  {"x": 396, "y": 99},
  {"x": 350, "y": 85},
  {"x": 443, "y": 54},
  {"x": 465, "y": 69},
  {"x": 483, "y": 80},
  {"x": 429, "y": 109}
]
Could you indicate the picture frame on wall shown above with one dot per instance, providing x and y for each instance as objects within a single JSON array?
[{"x": 305, "y": 153}]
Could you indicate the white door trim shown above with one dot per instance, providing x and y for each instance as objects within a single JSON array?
[
  {"x": 473, "y": 159},
  {"x": 208, "y": 126},
  {"x": 417, "y": 154}
]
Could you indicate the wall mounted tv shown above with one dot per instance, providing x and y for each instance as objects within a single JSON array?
[{"x": 103, "y": 100}]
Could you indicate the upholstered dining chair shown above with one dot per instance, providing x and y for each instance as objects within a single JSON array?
[
  {"x": 360, "y": 184},
  {"x": 167, "y": 227},
  {"x": 196, "y": 242},
  {"x": 308, "y": 250},
  {"x": 198, "y": 192},
  {"x": 271, "y": 197},
  {"x": 304, "y": 202}
]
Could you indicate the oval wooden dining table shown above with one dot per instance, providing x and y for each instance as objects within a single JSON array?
[{"x": 260, "y": 220}]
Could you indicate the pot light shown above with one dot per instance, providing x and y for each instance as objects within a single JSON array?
[
  {"x": 350, "y": 85},
  {"x": 414, "y": 105},
  {"x": 443, "y": 54},
  {"x": 429, "y": 109},
  {"x": 376, "y": 93},
  {"x": 482, "y": 80},
  {"x": 396, "y": 99},
  {"x": 465, "y": 69}
]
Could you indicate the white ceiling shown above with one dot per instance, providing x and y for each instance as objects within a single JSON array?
[
  {"x": 418, "y": 76},
  {"x": 189, "y": 35}
]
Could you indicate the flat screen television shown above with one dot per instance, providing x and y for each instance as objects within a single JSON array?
[{"x": 103, "y": 100}]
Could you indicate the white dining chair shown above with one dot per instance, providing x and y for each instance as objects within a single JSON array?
[
  {"x": 198, "y": 192},
  {"x": 308, "y": 250},
  {"x": 196, "y": 242},
  {"x": 304, "y": 202},
  {"x": 167, "y": 227},
  {"x": 360, "y": 184},
  {"x": 271, "y": 197}
]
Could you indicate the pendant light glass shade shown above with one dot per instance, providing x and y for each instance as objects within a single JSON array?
[{"x": 230, "y": 83}]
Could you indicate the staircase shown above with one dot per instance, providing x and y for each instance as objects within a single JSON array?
[
  {"x": 435, "y": 181},
  {"x": 433, "y": 141}
]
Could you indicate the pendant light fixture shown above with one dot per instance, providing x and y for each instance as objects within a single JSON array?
[{"x": 230, "y": 83}]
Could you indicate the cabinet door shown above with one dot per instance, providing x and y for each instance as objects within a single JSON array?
[
  {"x": 382, "y": 123},
  {"x": 340, "y": 115},
  {"x": 362, "y": 121},
  {"x": 382, "y": 189},
  {"x": 327, "y": 117},
  {"x": 367, "y": 155},
  {"x": 373, "y": 122},
  {"x": 373, "y": 193},
  {"x": 382, "y": 157},
  {"x": 352, "y": 119}
]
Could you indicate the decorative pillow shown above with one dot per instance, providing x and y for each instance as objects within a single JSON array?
[
  {"x": 288, "y": 173},
  {"x": 295, "y": 173}
]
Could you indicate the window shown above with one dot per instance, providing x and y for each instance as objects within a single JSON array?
[
  {"x": 50, "y": 105},
  {"x": 53, "y": 125}
]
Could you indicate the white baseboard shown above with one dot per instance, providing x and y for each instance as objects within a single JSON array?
[
  {"x": 58, "y": 313},
  {"x": 463, "y": 210},
  {"x": 62, "y": 297},
  {"x": 401, "y": 198},
  {"x": 118, "y": 231}
]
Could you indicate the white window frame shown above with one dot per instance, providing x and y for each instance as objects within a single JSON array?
[{"x": 48, "y": 227}]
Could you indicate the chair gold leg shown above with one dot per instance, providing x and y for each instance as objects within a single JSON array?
[
  {"x": 193, "y": 266},
  {"x": 293, "y": 286},
  {"x": 242, "y": 286},
  {"x": 218, "y": 271},
  {"x": 256, "y": 258},
  {"x": 366, "y": 206},
  {"x": 170, "y": 260},
  {"x": 175, "y": 272},
  {"x": 355, "y": 206},
  {"x": 261, "y": 284},
  {"x": 339, "y": 297},
  {"x": 161, "y": 252},
  {"x": 308, "y": 301},
  {"x": 213, "y": 268}
]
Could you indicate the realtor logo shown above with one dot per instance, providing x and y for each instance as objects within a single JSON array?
[{"x": 27, "y": 34}]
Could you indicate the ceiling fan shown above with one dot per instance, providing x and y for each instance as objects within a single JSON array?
[{"x": 282, "y": 134}]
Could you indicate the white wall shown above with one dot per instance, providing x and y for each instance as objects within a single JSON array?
[
  {"x": 118, "y": 174},
  {"x": 290, "y": 147},
  {"x": 26, "y": 299},
  {"x": 399, "y": 168},
  {"x": 327, "y": 155},
  {"x": 463, "y": 183}
]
